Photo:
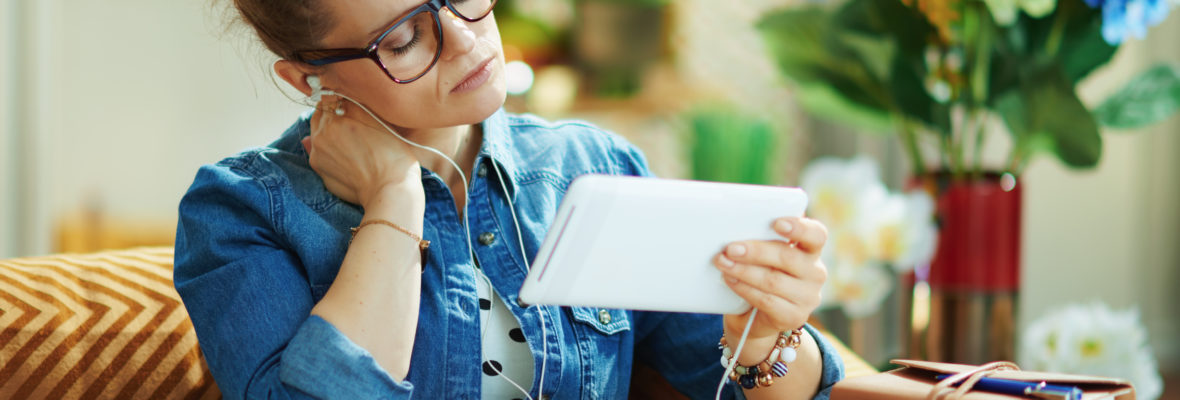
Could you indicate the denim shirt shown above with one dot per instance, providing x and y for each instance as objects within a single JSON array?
[{"x": 260, "y": 241}]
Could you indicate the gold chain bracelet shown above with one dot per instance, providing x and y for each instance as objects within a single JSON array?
[{"x": 423, "y": 245}]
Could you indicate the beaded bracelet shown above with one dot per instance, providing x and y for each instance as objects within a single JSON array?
[{"x": 763, "y": 374}]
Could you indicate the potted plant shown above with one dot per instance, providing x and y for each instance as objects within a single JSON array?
[{"x": 942, "y": 75}]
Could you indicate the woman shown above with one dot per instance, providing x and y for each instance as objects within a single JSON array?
[{"x": 290, "y": 302}]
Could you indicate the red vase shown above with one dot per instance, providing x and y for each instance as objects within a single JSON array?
[{"x": 974, "y": 276}]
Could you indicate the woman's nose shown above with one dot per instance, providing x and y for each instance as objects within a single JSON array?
[{"x": 458, "y": 38}]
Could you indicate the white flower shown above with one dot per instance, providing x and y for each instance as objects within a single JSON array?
[
  {"x": 1093, "y": 340},
  {"x": 855, "y": 282},
  {"x": 900, "y": 230},
  {"x": 831, "y": 259},
  {"x": 838, "y": 189},
  {"x": 859, "y": 289},
  {"x": 867, "y": 227},
  {"x": 844, "y": 251},
  {"x": 1005, "y": 11},
  {"x": 1038, "y": 8},
  {"x": 845, "y": 246}
]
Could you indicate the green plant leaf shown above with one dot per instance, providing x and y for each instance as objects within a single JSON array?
[
  {"x": 1082, "y": 47},
  {"x": 1151, "y": 97},
  {"x": 910, "y": 96},
  {"x": 904, "y": 25},
  {"x": 807, "y": 46},
  {"x": 858, "y": 64},
  {"x": 875, "y": 52},
  {"x": 826, "y": 103},
  {"x": 1045, "y": 114},
  {"x": 1024, "y": 49}
]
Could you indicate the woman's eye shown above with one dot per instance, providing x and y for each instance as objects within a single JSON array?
[{"x": 402, "y": 42}]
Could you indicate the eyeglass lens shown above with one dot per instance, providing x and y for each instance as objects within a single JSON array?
[{"x": 409, "y": 49}]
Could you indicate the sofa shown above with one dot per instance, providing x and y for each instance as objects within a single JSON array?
[
  {"x": 106, "y": 325},
  {"x": 109, "y": 325}
]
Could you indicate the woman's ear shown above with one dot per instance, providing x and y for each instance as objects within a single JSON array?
[{"x": 295, "y": 75}]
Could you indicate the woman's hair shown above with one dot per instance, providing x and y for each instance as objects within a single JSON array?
[{"x": 286, "y": 26}]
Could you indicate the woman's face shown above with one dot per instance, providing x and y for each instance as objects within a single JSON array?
[{"x": 465, "y": 86}]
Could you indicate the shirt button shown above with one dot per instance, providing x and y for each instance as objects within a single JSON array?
[
  {"x": 487, "y": 238},
  {"x": 482, "y": 171},
  {"x": 604, "y": 317}
]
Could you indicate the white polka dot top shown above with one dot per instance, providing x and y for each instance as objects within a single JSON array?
[{"x": 506, "y": 354}]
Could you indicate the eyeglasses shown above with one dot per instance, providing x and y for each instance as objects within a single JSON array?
[{"x": 411, "y": 45}]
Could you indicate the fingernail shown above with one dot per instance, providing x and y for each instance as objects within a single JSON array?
[
  {"x": 726, "y": 262},
  {"x": 731, "y": 280},
  {"x": 783, "y": 226},
  {"x": 736, "y": 249}
]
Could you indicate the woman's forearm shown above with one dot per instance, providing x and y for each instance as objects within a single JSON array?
[
  {"x": 374, "y": 299},
  {"x": 802, "y": 382}
]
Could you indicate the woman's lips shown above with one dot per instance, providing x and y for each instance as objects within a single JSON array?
[{"x": 476, "y": 78}]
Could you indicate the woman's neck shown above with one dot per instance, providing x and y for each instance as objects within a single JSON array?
[{"x": 460, "y": 143}]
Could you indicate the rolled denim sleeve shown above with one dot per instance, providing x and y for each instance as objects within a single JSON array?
[
  {"x": 347, "y": 370},
  {"x": 833, "y": 365},
  {"x": 250, "y": 300}
]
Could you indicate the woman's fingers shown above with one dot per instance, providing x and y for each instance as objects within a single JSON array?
[
  {"x": 324, "y": 113},
  {"x": 808, "y": 234},
  {"x": 782, "y": 313},
  {"x": 771, "y": 281},
  {"x": 765, "y": 279},
  {"x": 783, "y": 256},
  {"x": 780, "y": 278}
]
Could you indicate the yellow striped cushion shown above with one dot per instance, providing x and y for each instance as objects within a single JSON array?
[{"x": 105, "y": 325}]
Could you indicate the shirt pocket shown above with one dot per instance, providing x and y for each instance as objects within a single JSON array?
[
  {"x": 604, "y": 321},
  {"x": 605, "y": 344}
]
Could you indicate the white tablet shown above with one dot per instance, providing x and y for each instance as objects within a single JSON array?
[{"x": 648, "y": 243}]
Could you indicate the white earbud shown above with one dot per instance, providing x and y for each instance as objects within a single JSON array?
[
  {"x": 316, "y": 87},
  {"x": 318, "y": 92}
]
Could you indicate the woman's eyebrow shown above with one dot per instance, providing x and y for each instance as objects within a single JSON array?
[{"x": 381, "y": 29}]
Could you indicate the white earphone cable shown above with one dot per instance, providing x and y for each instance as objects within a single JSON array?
[
  {"x": 523, "y": 254},
  {"x": 524, "y": 257},
  {"x": 317, "y": 94},
  {"x": 733, "y": 361}
]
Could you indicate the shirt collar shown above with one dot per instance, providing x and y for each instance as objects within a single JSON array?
[{"x": 497, "y": 148}]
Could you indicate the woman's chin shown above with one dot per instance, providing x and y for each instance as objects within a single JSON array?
[{"x": 487, "y": 101}]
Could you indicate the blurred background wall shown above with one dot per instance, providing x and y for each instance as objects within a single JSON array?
[
  {"x": 1110, "y": 234},
  {"x": 108, "y": 107}
]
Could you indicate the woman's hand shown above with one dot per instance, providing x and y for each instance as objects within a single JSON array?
[
  {"x": 355, "y": 156},
  {"x": 781, "y": 278}
]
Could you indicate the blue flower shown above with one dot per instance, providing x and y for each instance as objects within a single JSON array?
[{"x": 1121, "y": 18}]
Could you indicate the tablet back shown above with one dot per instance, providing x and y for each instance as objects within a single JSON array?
[{"x": 648, "y": 243}]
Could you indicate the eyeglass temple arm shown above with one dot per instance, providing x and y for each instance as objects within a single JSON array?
[{"x": 325, "y": 57}]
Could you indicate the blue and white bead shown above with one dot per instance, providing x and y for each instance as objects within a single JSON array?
[{"x": 778, "y": 369}]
